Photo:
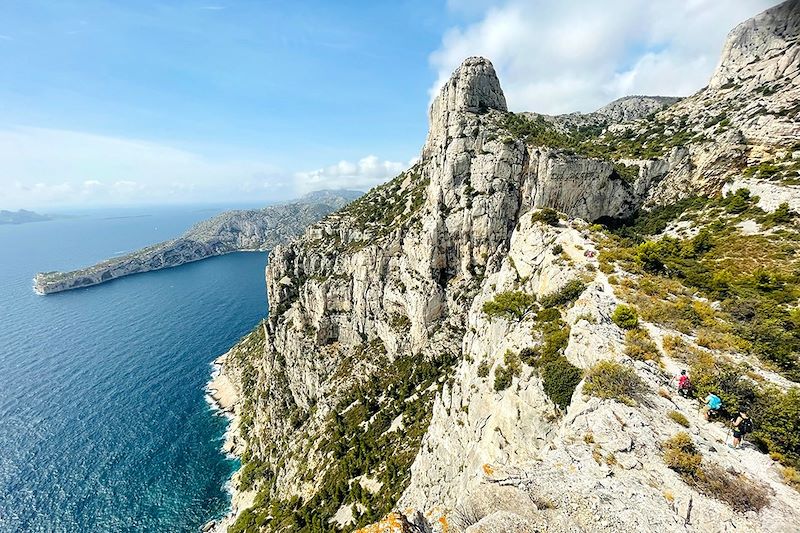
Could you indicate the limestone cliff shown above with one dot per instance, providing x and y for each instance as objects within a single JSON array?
[
  {"x": 435, "y": 348},
  {"x": 231, "y": 231}
]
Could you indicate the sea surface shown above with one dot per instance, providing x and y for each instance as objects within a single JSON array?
[{"x": 104, "y": 424}]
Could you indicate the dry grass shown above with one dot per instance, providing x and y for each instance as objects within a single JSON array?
[
  {"x": 678, "y": 418},
  {"x": 639, "y": 346},
  {"x": 791, "y": 477},
  {"x": 737, "y": 490}
]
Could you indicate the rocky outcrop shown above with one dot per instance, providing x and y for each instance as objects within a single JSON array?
[
  {"x": 231, "y": 231},
  {"x": 761, "y": 50},
  {"x": 382, "y": 385}
]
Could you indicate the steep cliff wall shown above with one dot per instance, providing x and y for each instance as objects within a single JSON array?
[{"x": 383, "y": 381}]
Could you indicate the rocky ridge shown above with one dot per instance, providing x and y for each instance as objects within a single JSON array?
[
  {"x": 381, "y": 383},
  {"x": 231, "y": 231}
]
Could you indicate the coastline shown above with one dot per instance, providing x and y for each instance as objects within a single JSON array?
[
  {"x": 224, "y": 398},
  {"x": 39, "y": 285}
]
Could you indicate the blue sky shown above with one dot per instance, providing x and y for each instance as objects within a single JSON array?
[{"x": 132, "y": 102}]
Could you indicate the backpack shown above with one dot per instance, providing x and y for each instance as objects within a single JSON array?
[
  {"x": 714, "y": 402},
  {"x": 683, "y": 382},
  {"x": 746, "y": 425}
]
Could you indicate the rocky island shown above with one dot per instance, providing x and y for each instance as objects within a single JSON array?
[
  {"x": 21, "y": 216},
  {"x": 487, "y": 343},
  {"x": 231, "y": 231}
]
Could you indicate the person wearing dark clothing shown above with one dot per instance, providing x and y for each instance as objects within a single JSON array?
[{"x": 742, "y": 425}]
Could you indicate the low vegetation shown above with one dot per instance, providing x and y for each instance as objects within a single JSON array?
[
  {"x": 546, "y": 216},
  {"x": 625, "y": 317},
  {"x": 567, "y": 294},
  {"x": 678, "y": 418},
  {"x": 754, "y": 278},
  {"x": 733, "y": 488},
  {"x": 639, "y": 346},
  {"x": 510, "y": 305},
  {"x": 651, "y": 141},
  {"x": 355, "y": 438},
  {"x": 504, "y": 374},
  {"x": 559, "y": 380},
  {"x": 612, "y": 380}
]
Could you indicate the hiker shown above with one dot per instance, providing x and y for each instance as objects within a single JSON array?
[
  {"x": 713, "y": 404},
  {"x": 742, "y": 425},
  {"x": 684, "y": 384}
]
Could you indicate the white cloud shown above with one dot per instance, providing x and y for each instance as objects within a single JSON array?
[
  {"x": 558, "y": 57},
  {"x": 48, "y": 168},
  {"x": 364, "y": 174}
]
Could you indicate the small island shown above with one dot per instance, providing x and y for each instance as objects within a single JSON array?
[
  {"x": 232, "y": 231},
  {"x": 21, "y": 216}
]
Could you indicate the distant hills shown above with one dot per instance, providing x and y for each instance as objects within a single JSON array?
[{"x": 22, "y": 216}]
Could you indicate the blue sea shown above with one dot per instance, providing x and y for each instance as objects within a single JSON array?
[{"x": 104, "y": 425}]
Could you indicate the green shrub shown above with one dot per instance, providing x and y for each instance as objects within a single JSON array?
[
  {"x": 251, "y": 471},
  {"x": 555, "y": 338},
  {"x": 776, "y": 417},
  {"x": 483, "y": 369},
  {"x": 625, "y": 317},
  {"x": 565, "y": 295},
  {"x": 530, "y": 355},
  {"x": 504, "y": 375},
  {"x": 557, "y": 249},
  {"x": 559, "y": 380},
  {"x": 678, "y": 418},
  {"x": 639, "y": 346},
  {"x": 611, "y": 380},
  {"x": 545, "y": 215},
  {"x": 549, "y": 314},
  {"x": 510, "y": 305}
]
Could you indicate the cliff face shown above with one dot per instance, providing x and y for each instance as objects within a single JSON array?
[{"x": 385, "y": 381}]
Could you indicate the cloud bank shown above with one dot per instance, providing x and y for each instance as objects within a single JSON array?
[
  {"x": 559, "y": 57},
  {"x": 363, "y": 175},
  {"x": 47, "y": 168}
]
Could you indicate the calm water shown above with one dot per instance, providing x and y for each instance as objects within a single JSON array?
[{"x": 103, "y": 421}]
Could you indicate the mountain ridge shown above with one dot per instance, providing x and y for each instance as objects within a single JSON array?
[{"x": 232, "y": 231}]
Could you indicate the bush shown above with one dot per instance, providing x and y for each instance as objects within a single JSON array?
[
  {"x": 530, "y": 355},
  {"x": 737, "y": 490},
  {"x": 625, "y": 317},
  {"x": 559, "y": 380},
  {"x": 678, "y": 418},
  {"x": 555, "y": 338},
  {"x": 557, "y": 249},
  {"x": 639, "y": 346},
  {"x": 483, "y": 369},
  {"x": 791, "y": 476},
  {"x": 549, "y": 314},
  {"x": 504, "y": 375},
  {"x": 611, "y": 380},
  {"x": 565, "y": 295},
  {"x": 510, "y": 305},
  {"x": 681, "y": 455},
  {"x": 545, "y": 215}
]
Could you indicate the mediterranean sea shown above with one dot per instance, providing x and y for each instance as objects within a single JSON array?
[{"x": 104, "y": 425}]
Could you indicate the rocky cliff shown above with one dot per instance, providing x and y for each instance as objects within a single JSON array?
[
  {"x": 231, "y": 231},
  {"x": 485, "y": 343}
]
